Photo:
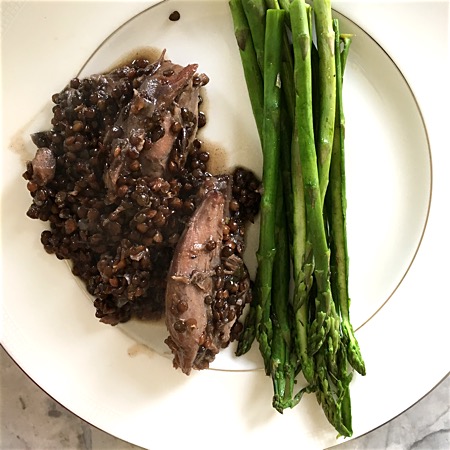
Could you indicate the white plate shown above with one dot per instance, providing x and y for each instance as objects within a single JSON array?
[{"x": 120, "y": 379}]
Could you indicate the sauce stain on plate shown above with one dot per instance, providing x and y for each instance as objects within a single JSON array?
[{"x": 140, "y": 349}]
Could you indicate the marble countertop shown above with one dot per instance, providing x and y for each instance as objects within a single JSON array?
[{"x": 30, "y": 419}]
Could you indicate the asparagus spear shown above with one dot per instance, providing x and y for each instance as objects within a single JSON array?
[
  {"x": 282, "y": 368},
  {"x": 249, "y": 62},
  {"x": 315, "y": 228},
  {"x": 272, "y": 4},
  {"x": 271, "y": 159},
  {"x": 284, "y": 356},
  {"x": 330, "y": 393},
  {"x": 300, "y": 248},
  {"x": 337, "y": 216},
  {"x": 347, "y": 40},
  {"x": 285, "y": 4},
  {"x": 287, "y": 68},
  {"x": 315, "y": 92},
  {"x": 283, "y": 372},
  {"x": 303, "y": 138},
  {"x": 301, "y": 252},
  {"x": 258, "y": 38},
  {"x": 346, "y": 378},
  {"x": 327, "y": 84},
  {"x": 255, "y": 12},
  {"x": 255, "y": 89},
  {"x": 334, "y": 384}
]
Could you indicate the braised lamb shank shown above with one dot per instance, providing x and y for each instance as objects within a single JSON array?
[
  {"x": 208, "y": 283},
  {"x": 160, "y": 119}
]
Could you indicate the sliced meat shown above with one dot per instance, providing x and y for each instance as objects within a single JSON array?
[
  {"x": 44, "y": 166},
  {"x": 160, "y": 119},
  {"x": 190, "y": 280},
  {"x": 154, "y": 159},
  {"x": 206, "y": 288}
]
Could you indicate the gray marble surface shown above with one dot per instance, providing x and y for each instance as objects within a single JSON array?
[{"x": 30, "y": 419}]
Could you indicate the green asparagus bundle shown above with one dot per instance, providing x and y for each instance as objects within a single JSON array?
[{"x": 295, "y": 89}]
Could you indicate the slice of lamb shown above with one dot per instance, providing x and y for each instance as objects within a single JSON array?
[
  {"x": 178, "y": 109},
  {"x": 200, "y": 312},
  {"x": 159, "y": 108},
  {"x": 154, "y": 159},
  {"x": 44, "y": 166},
  {"x": 190, "y": 280}
]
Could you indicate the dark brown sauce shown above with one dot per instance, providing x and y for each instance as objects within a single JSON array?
[
  {"x": 149, "y": 53},
  {"x": 140, "y": 349},
  {"x": 218, "y": 158},
  {"x": 19, "y": 146}
]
